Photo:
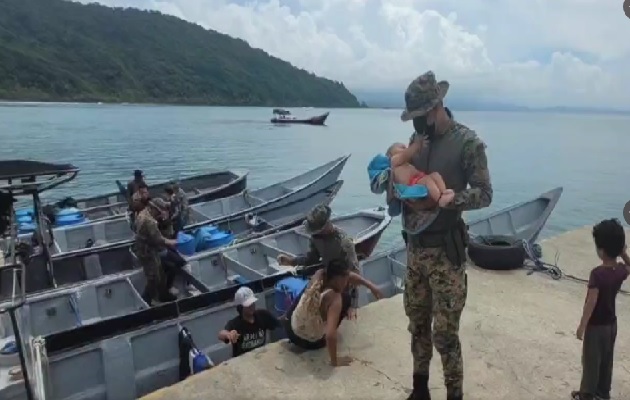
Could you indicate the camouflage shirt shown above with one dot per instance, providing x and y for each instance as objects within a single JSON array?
[
  {"x": 460, "y": 157},
  {"x": 180, "y": 205},
  {"x": 137, "y": 204},
  {"x": 326, "y": 248},
  {"x": 149, "y": 239}
]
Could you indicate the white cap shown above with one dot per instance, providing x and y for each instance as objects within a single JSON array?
[{"x": 245, "y": 297}]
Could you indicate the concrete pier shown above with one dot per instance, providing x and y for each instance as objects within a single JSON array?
[{"x": 518, "y": 339}]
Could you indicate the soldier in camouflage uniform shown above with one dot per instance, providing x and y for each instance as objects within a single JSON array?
[
  {"x": 182, "y": 203},
  {"x": 436, "y": 282},
  {"x": 327, "y": 243},
  {"x": 138, "y": 201},
  {"x": 149, "y": 243}
]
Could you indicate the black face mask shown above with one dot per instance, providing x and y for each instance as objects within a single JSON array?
[{"x": 423, "y": 128}]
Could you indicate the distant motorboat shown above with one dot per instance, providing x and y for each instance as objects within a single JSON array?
[{"x": 282, "y": 116}]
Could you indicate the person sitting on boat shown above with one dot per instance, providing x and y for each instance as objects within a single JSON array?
[
  {"x": 327, "y": 243},
  {"x": 148, "y": 247},
  {"x": 248, "y": 330},
  {"x": 315, "y": 316}
]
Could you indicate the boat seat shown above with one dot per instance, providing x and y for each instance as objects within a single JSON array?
[
  {"x": 292, "y": 243},
  {"x": 92, "y": 267},
  {"x": 37, "y": 277},
  {"x": 117, "y": 260},
  {"x": 117, "y": 230},
  {"x": 250, "y": 269},
  {"x": 77, "y": 237}
]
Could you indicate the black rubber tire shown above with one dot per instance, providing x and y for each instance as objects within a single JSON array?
[{"x": 497, "y": 252}]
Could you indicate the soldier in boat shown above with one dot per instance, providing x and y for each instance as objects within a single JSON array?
[
  {"x": 148, "y": 247},
  {"x": 327, "y": 243}
]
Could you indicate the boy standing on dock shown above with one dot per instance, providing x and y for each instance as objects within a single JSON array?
[{"x": 598, "y": 326}]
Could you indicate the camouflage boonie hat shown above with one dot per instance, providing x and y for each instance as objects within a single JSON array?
[
  {"x": 422, "y": 95},
  {"x": 160, "y": 204},
  {"x": 317, "y": 219}
]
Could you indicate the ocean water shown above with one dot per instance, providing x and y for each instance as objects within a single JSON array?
[{"x": 529, "y": 153}]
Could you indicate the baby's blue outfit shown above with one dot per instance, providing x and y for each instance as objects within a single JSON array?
[{"x": 379, "y": 172}]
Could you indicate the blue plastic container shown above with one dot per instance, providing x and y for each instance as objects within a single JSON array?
[
  {"x": 69, "y": 211},
  {"x": 27, "y": 227},
  {"x": 24, "y": 211},
  {"x": 24, "y": 219},
  {"x": 206, "y": 240},
  {"x": 219, "y": 239},
  {"x": 210, "y": 229},
  {"x": 185, "y": 244},
  {"x": 202, "y": 236},
  {"x": 71, "y": 219},
  {"x": 286, "y": 292}
]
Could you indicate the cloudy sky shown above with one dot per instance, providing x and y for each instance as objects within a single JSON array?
[{"x": 534, "y": 52}]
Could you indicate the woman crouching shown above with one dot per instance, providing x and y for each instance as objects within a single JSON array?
[{"x": 315, "y": 316}]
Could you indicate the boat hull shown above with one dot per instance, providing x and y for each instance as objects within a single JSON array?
[
  {"x": 319, "y": 120},
  {"x": 522, "y": 221}
]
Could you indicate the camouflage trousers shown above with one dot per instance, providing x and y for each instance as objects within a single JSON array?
[
  {"x": 152, "y": 268},
  {"x": 435, "y": 294}
]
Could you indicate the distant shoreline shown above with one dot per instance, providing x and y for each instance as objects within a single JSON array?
[{"x": 550, "y": 110}]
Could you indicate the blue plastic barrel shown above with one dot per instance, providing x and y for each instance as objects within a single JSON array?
[
  {"x": 202, "y": 237},
  {"x": 210, "y": 229},
  {"x": 68, "y": 211},
  {"x": 24, "y": 219},
  {"x": 219, "y": 239},
  {"x": 24, "y": 211},
  {"x": 185, "y": 244},
  {"x": 71, "y": 219},
  {"x": 27, "y": 227},
  {"x": 286, "y": 292}
]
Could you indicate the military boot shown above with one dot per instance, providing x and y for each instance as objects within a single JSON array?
[
  {"x": 454, "y": 394},
  {"x": 420, "y": 388}
]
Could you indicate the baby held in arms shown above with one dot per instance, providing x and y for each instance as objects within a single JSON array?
[{"x": 406, "y": 174}]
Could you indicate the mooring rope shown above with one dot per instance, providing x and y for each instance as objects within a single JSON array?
[{"x": 534, "y": 254}]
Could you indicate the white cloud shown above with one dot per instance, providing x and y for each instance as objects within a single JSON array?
[{"x": 536, "y": 52}]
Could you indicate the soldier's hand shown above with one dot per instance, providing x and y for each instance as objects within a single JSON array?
[{"x": 171, "y": 243}]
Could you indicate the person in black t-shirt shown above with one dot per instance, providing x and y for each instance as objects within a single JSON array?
[
  {"x": 247, "y": 331},
  {"x": 598, "y": 326}
]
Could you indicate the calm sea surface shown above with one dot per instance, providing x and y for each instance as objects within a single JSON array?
[{"x": 528, "y": 153}]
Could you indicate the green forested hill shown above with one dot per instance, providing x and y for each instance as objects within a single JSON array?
[{"x": 55, "y": 50}]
